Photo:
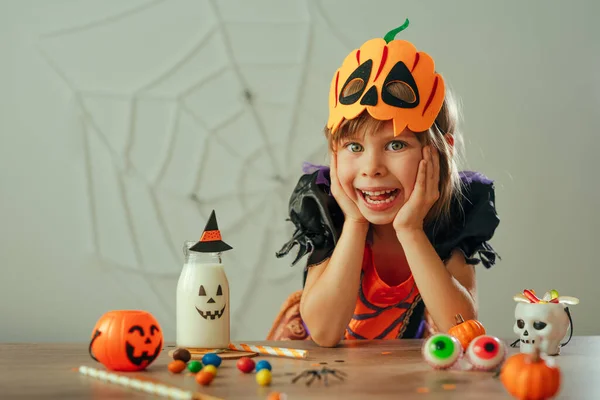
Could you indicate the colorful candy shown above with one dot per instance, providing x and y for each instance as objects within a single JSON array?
[
  {"x": 263, "y": 377},
  {"x": 211, "y": 359},
  {"x": 442, "y": 351},
  {"x": 182, "y": 354},
  {"x": 194, "y": 366},
  {"x": 176, "y": 366},
  {"x": 486, "y": 352},
  {"x": 210, "y": 369},
  {"x": 245, "y": 364},
  {"x": 263, "y": 364},
  {"x": 276, "y": 396},
  {"x": 553, "y": 294},
  {"x": 204, "y": 378}
]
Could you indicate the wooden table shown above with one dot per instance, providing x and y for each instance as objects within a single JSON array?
[{"x": 39, "y": 371}]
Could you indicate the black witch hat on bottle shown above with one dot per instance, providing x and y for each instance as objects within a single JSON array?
[{"x": 210, "y": 241}]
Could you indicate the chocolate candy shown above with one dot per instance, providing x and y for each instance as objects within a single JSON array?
[{"x": 182, "y": 354}]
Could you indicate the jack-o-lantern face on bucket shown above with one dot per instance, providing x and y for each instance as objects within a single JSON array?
[
  {"x": 140, "y": 345},
  {"x": 214, "y": 304},
  {"x": 126, "y": 340},
  {"x": 391, "y": 80}
]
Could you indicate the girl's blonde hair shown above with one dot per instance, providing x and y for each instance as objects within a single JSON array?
[{"x": 445, "y": 127}]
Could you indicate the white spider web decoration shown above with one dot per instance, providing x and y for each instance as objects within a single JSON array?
[{"x": 186, "y": 107}]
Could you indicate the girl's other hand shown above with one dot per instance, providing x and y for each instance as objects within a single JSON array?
[
  {"x": 424, "y": 194},
  {"x": 349, "y": 207}
]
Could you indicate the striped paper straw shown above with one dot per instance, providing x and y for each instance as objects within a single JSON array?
[
  {"x": 274, "y": 351},
  {"x": 148, "y": 385}
]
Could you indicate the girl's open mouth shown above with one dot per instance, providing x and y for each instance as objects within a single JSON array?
[{"x": 379, "y": 200}]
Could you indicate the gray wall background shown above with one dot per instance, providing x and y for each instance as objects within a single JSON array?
[{"x": 124, "y": 123}]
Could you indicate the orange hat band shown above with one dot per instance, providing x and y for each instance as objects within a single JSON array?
[{"x": 211, "y": 236}]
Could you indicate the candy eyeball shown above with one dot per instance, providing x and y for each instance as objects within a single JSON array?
[
  {"x": 442, "y": 351},
  {"x": 486, "y": 352}
]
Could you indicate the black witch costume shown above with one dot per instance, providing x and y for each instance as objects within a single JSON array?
[{"x": 318, "y": 222}]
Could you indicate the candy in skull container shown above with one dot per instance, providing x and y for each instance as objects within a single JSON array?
[{"x": 548, "y": 317}]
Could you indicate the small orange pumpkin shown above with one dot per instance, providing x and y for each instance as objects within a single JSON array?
[
  {"x": 529, "y": 377},
  {"x": 466, "y": 331},
  {"x": 126, "y": 340}
]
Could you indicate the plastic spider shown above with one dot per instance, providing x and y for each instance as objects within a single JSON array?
[{"x": 323, "y": 372}]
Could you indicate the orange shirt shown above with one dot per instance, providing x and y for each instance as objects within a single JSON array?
[{"x": 382, "y": 311}]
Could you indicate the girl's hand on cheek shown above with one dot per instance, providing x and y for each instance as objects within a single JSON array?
[
  {"x": 351, "y": 211},
  {"x": 424, "y": 194}
]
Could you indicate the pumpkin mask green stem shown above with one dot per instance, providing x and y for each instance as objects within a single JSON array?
[{"x": 391, "y": 35}]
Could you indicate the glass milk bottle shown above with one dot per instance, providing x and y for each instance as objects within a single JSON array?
[{"x": 202, "y": 301}]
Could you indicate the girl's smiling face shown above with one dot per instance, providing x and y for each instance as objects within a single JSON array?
[{"x": 378, "y": 171}]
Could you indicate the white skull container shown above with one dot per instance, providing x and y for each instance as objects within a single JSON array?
[{"x": 548, "y": 320}]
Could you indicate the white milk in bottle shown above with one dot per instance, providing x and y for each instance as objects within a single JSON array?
[{"x": 203, "y": 318}]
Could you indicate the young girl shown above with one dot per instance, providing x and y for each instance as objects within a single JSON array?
[{"x": 392, "y": 229}]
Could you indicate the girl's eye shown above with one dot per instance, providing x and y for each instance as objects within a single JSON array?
[
  {"x": 396, "y": 145},
  {"x": 354, "y": 147}
]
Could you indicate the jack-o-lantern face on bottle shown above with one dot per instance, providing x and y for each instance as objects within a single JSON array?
[{"x": 212, "y": 302}]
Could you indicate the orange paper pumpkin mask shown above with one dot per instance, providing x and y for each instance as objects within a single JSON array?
[
  {"x": 127, "y": 340},
  {"x": 391, "y": 80}
]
